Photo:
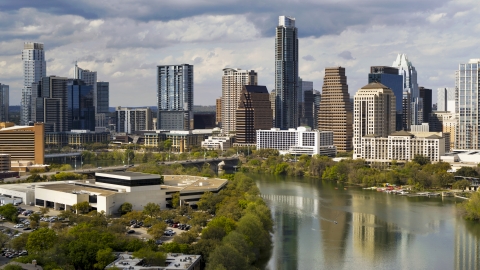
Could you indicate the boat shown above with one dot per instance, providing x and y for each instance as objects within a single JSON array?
[{"x": 433, "y": 194}]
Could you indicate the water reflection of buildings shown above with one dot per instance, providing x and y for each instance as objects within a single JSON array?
[
  {"x": 334, "y": 227},
  {"x": 467, "y": 246},
  {"x": 372, "y": 236}
]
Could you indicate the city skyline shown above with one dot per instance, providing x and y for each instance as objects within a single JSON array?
[{"x": 126, "y": 47}]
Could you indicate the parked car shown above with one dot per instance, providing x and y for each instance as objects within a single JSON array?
[
  {"x": 130, "y": 231},
  {"x": 27, "y": 229},
  {"x": 158, "y": 242},
  {"x": 19, "y": 226}
]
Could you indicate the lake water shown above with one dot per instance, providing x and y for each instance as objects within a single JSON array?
[{"x": 319, "y": 225}]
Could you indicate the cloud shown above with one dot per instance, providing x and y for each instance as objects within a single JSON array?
[
  {"x": 308, "y": 58},
  {"x": 125, "y": 44},
  {"x": 347, "y": 55}
]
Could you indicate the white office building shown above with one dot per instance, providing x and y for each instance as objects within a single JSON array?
[
  {"x": 302, "y": 140},
  {"x": 467, "y": 111},
  {"x": 446, "y": 99},
  {"x": 402, "y": 146},
  {"x": 130, "y": 120},
  {"x": 217, "y": 143},
  {"x": 34, "y": 68}
]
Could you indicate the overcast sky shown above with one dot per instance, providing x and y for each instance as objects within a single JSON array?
[{"x": 125, "y": 40}]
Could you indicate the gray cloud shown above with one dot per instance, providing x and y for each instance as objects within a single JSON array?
[
  {"x": 347, "y": 55},
  {"x": 308, "y": 58}
]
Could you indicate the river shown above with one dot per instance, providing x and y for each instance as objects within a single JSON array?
[{"x": 322, "y": 225}]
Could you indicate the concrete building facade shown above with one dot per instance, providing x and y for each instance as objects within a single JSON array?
[
  {"x": 402, "y": 146},
  {"x": 130, "y": 120},
  {"x": 233, "y": 81},
  {"x": 336, "y": 112},
  {"x": 302, "y": 140},
  {"x": 253, "y": 113},
  {"x": 24, "y": 144},
  {"x": 374, "y": 113}
]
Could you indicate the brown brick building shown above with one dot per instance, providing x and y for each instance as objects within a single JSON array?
[
  {"x": 336, "y": 112},
  {"x": 254, "y": 112}
]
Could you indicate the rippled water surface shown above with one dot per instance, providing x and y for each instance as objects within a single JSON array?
[{"x": 319, "y": 225}]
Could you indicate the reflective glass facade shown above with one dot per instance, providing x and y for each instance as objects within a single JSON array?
[
  {"x": 286, "y": 74},
  {"x": 466, "y": 105},
  {"x": 81, "y": 112},
  {"x": 174, "y": 96}
]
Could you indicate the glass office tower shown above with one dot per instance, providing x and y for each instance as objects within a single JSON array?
[{"x": 286, "y": 74}]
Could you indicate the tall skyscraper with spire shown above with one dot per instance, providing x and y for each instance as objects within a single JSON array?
[
  {"x": 286, "y": 74},
  {"x": 410, "y": 88},
  {"x": 34, "y": 68},
  {"x": 336, "y": 112}
]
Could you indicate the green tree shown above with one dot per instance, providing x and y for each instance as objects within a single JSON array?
[
  {"x": 34, "y": 217},
  {"x": 20, "y": 242},
  {"x": 41, "y": 240},
  {"x": 461, "y": 184},
  {"x": 151, "y": 257},
  {"x": 167, "y": 144},
  {"x": 176, "y": 200},
  {"x": 9, "y": 211},
  {"x": 421, "y": 160},
  {"x": 3, "y": 239},
  {"x": 472, "y": 207},
  {"x": 13, "y": 266},
  {"x": 125, "y": 207},
  {"x": 44, "y": 210},
  {"x": 151, "y": 209},
  {"x": 157, "y": 230},
  {"x": 82, "y": 207},
  {"x": 104, "y": 258},
  {"x": 467, "y": 172},
  {"x": 227, "y": 257}
]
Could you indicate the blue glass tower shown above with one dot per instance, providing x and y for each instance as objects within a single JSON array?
[
  {"x": 81, "y": 111},
  {"x": 389, "y": 77}
]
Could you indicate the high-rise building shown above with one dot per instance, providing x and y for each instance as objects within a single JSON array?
[
  {"x": 174, "y": 96},
  {"x": 410, "y": 85},
  {"x": 130, "y": 120},
  {"x": 273, "y": 96},
  {"x": 446, "y": 99},
  {"x": 24, "y": 144},
  {"x": 335, "y": 111},
  {"x": 34, "y": 68},
  {"x": 253, "y": 113},
  {"x": 466, "y": 105},
  {"x": 233, "y": 81},
  {"x": 4, "y": 102},
  {"x": 391, "y": 78},
  {"x": 406, "y": 111},
  {"x": 426, "y": 96},
  {"x": 286, "y": 73},
  {"x": 102, "y": 103},
  {"x": 306, "y": 102},
  {"x": 317, "y": 97},
  {"x": 49, "y": 103},
  {"x": 374, "y": 113},
  {"x": 218, "y": 112},
  {"x": 81, "y": 112}
]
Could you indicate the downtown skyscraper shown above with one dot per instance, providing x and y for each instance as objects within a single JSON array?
[
  {"x": 233, "y": 81},
  {"x": 467, "y": 113},
  {"x": 34, "y": 69},
  {"x": 174, "y": 96},
  {"x": 286, "y": 74},
  {"x": 411, "y": 94},
  {"x": 336, "y": 112}
]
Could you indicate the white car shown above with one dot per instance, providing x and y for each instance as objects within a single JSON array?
[{"x": 19, "y": 226}]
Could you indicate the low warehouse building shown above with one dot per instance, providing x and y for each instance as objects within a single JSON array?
[{"x": 108, "y": 191}]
